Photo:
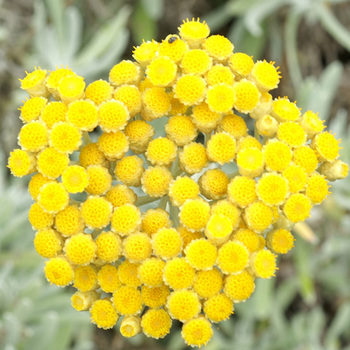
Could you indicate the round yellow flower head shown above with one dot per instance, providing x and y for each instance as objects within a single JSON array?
[
  {"x": 201, "y": 254},
  {"x": 249, "y": 238},
  {"x": 246, "y": 96},
  {"x": 120, "y": 194},
  {"x": 145, "y": 52},
  {"x": 156, "y": 103},
  {"x": 54, "y": 112},
  {"x": 267, "y": 125},
  {"x": 55, "y": 77},
  {"x": 272, "y": 189},
  {"x": 258, "y": 216},
  {"x": 241, "y": 64},
  {"x": 96, "y": 212},
  {"x": 126, "y": 219},
  {"x": 218, "y": 229},
  {"x": 59, "y": 271},
  {"x": 52, "y": 163},
  {"x": 154, "y": 297},
  {"x": 265, "y": 75},
  {"x": 85, "y": 278},
  {"x": 129, "y": 170},
  {"x": 113, "y": 145},
  {"x": 83, "y": 114},
  {"x": 100, "y": 180},
  {"x": 75, "y": 179},
  {"x": 113, "y": 116},
  {"x": 233, "y": 257},
  {"x": 220, "y": 98},
  {"x": 204, "y": 118},
  {"x": 35, "y": 184},
  {"x": 250, "y": 162},
  {"x": 292, "y": 134},
  {"x": 193, "y": 158},
  {"x": 218, "y": 308},
  {"x": 194, "y": 32},
  {"x": 34, "y": 82},
  {"x": 131, "y": 96},
  {"x": 311, "y": 123},
  {"x": 280, "y": 241},
  {"x": 239, "y": 287},
  {"x": 69, "y": 221},
  {"x": 181, "y": 130},
  {"x": 173, "y": 47},
  {"x": 213, "y": 183},
  {"x": 161, "y": 71},
  {"x": 233, "y": 125},
  {"x": 176, "y": 107},
  {"x": 108, "y": 278},
  {"x": 166, "y": 243},
  {"x": 219, "y": 74},
  {"x": 82, "y": 301},
  {"x": 218, "y": 47},
  {"x": 194, "y": 214},
  {"x": 103, "y": 314},
  {"x": 80, "y": 249},
  {"x": 137, "y": 247},
  {"x": 156, "y": 180},
  {"x": 65, "y": 137},
  {"x": 248, "y": 142},
  {"x": 326, "y": 146},
  {"x": 155, "y": 219},
  {"x": 128, "y": 273},
  {"x": 90, "y": 154},
  {"x": 296, "y": 177},
  {"x": 190, "y": 89},
  {"x": 227, "y": 209},
  {"x": 306, "y": 158},
  {"x": 221, "y": 148},
  {"x": 150, "y": 272},
  {"x": 139, "y": 133},
  {"x": 277, "y": 155},
  {"x": 125, "y": 72},
  {"x": 284, "y": 110},
  {"x": 242, "y": 191},
  {"x": 21, "y": 163},
  {"x": 48, "y": 243},
  {"x": 197, "y": 332},
  {"x": 178, "y": 274},
  {"x": 109, "y": 247},
  {"x": 297, "y": 207},
  {"x": 99, "y": 91},
  {"x": 161, "y": 151},
  {"x": 33, "y": 136},
  {"x": 183, "y": 305},
  {"x": 181, "y": 189},
  {"x": 71, "y": 88},
  {"x": 130, "y": 326},
  {"x": 317, "y": 188},
  {"x": 188, "y": 236},
  {"x": 32, "y": 108},
  {"x": 263, "y": 263},
  {"x": 208, "y": 283},
  {"x": 334, "y": 170},
  {"x": 196, "y": 62},
  {"x": 127, "y": 300},
  {"x": 38, "y": 218},
  {"x": 156, "y": 323},
  {"x": 53, "y": 197}
]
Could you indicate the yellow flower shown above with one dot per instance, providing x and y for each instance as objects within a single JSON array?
[
  {"x": 82, "y": 301},
  {"x": 69, "y": 221},
  {"x": 317, "y": 188},
  {"x": 90, "y": 154},
  {"x": 71, "y": 88},
  {"x": 131, "y": 97},
  {"x": 126, "y": 219},
  {"x": 188, "y": 236},
  {"x": 221, "y": 98},
  {"x": 173, "y": 47},
  {"x": 35, "y": 184},
  {"x": 85, "y": 278},
  {"x": 272, "y": 189},
  {"x": 296, "y": 177},
  {"x": 129, "y": 170},
  {"x": 83, "y": 114},
  {"x": 219, "y": 74},
  {"x": 194, "y": 32},
  {"x": 150, "y": 272},
  {"x": 32, "y": 108},
  {"x": 128, "y": 273},
  {"x": 156, "y": 103},
  {"x": 154, "y": 297},
  {"x": 137, "y": 247},
  {"x": 113, "y": 145},
  {"x": 59, "y": 271},
  {"x": 263, "y": 263},
  {"x": 139, "y": 133},
  {"x": 297, "y": 207},
  {"x": 218, "y": 47},
  {"x": 218, "y": 229},
  {"x": 196, "y": 62},
  {"x": 201, "y": 254},
  {"x": 190, "y": 89},
  {"x": 334, "y": 170},
  {"x": 284, "y": 110},
  {"x": 161, "y": 151},
  {"x": 277, "y": 155},
  {"x": 108, "y": 278},
  {"x": 166, "y": 243},
  {"x": 54, "y": 112},
  {"x": 156, "y": 180},
  {"x": 246, "y": 96},
  {"x": 80, "y": 249},
  {"x": 241, "y": 64},
  {"x": 130, "y": 326},
  {"x": 52, "y": 163},
  {"x": 100, "y": 180},
  {"x": 291, "y": 133},
  {"x": 127, "y": 300},
  {"x": 34, "y": 82},
  {"x": 161, "y": 71},
  {"x": 181, "y": 130},
  {"x": 326, "y": 146},
  {"x": 228, "y": 210},
  {"x": 144, "y": 53},
  {"x": 109, "y": 247},
  {"x": 193, "y": 158},
  {"x": 194, "y": 214},
  {"x": 33, "y": 136},
  {"x": 250, "y": 162},
  {"x": 113, "y": 116},
  {"x": 103, "y": 314},
  {"x": 258, "y": 216},
  {"x": 21, "y": 163},
  {"x": 311, "y": 123},
  {"x": 218, "y": 308},
  {"x": 99, "y": 91},
  {"x": 48, "y": 243},
  {"x": 53, "y": 197},
  {"x": 38, "y": 218},
  {"x": 181, "y": 189},
  {"x": 280, "y": 241},
  {"x": 197, "y": 332},
  {"x": 249, "y": 238},
  {"x": 183, "y": 305},
  {"x": 178, "y": 273},
  {"x": 232, "y": 257},
  {"x": 55, "y": 77},
  {"x": 155, "y": 219},
  {"x": 221, "y": 148},
  {"x": 75, "y": 179},
  {"x": 125, "y": 72},
  {"x": 65, "y": 137},
  {"x": 306, "y": 158},
  {"x": 242, "y": 191},
  {"x": 266, "y": 125},
  {"x": 239, "y": 287},
  {"x": 156, "y": 323},
  {"x": 265, "y": 75},
  {"x": 213, "y": 183},
  {"x": 208, "y": 283},
  {"x": 233, "y": 125}
]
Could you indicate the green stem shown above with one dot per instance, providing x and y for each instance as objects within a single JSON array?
[
  {"x": 86, "y": 138},
  {"x": 174, "y": 214},
  {"x": 145, "y": 200},
  {"x": 163, "y": 202}
]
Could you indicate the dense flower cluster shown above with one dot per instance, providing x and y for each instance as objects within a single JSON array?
[{"x": 211, "y": 233}]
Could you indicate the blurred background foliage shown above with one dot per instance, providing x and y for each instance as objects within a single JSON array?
[{"x": 307, "y": 307}]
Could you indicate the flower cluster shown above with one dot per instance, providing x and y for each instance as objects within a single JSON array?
[{"x": 211, "y": 234}]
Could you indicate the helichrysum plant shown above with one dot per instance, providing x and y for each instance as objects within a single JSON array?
[{"x": 213, "y": 232}]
